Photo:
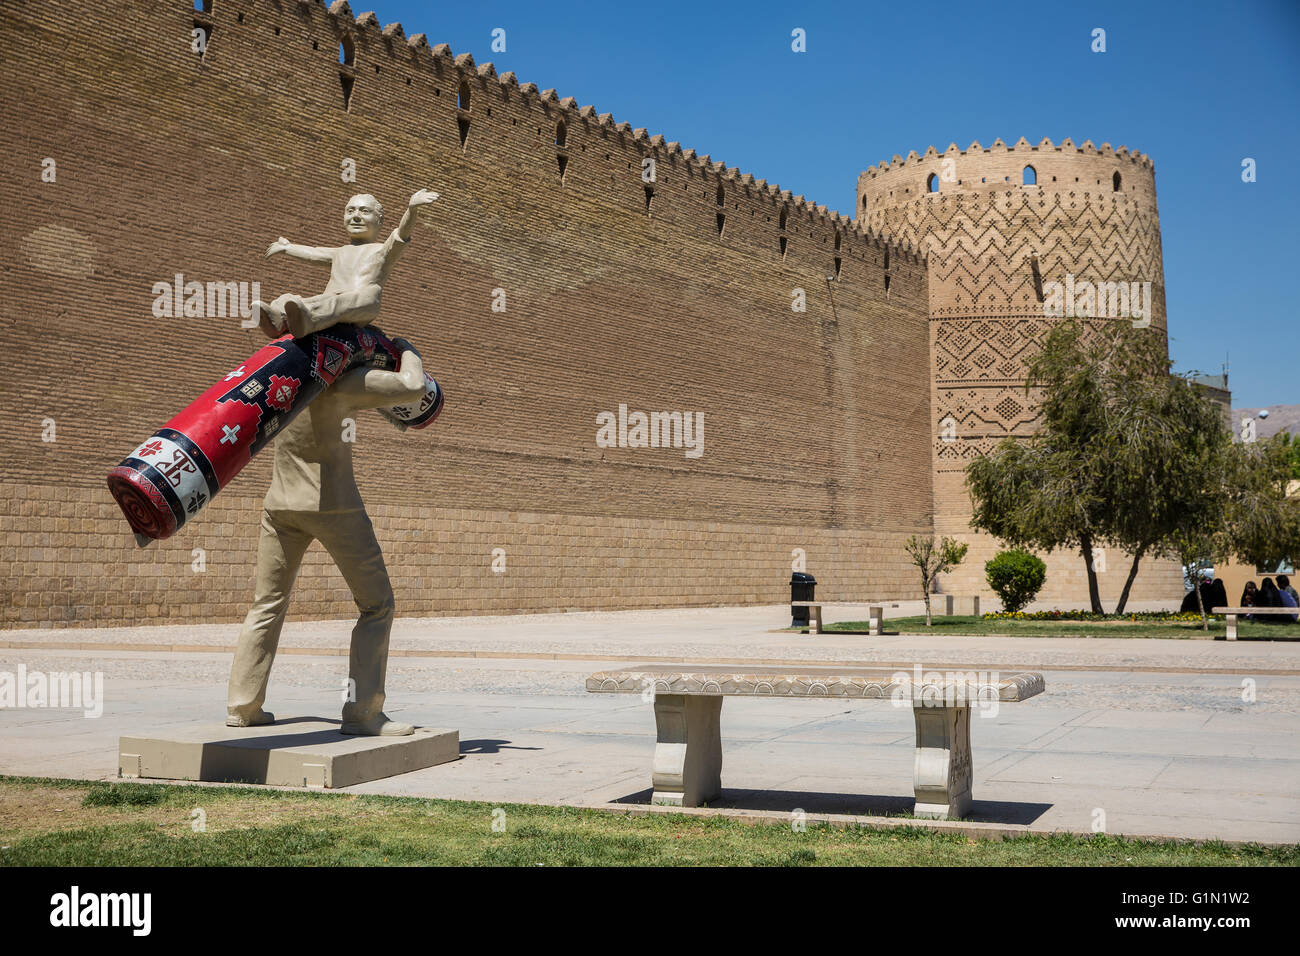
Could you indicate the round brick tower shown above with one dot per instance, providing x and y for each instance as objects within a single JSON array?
[{"x": 999, "y": 225}]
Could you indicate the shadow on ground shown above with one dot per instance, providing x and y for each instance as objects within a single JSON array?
[
  {"x": 854, "y": 804},
  {"x": 487, "y": 746}
]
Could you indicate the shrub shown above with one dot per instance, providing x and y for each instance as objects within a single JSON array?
[{"x": 1016, "y": 576}]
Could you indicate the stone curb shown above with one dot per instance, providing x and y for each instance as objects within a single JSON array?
[{"x": 647, "y": 658}]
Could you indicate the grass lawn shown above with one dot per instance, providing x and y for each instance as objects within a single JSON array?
[
  {"x": 1175, "y": 630},
  {"x": 82, "y": 823}
]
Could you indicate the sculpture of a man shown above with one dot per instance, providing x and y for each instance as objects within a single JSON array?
[{"x": 313, "y": 494}]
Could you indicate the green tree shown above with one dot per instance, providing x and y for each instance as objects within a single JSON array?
[
  {"x": 1291, "y": 449},
  {"x": 1167, "y": 447},
  {"x": 1261, "y": 525},
  {"x": 934, "y": 558},
  {"x": 1036, "y": 495},
  {"x": 1240, "y": 510},
  {"x": 1120, "y": 457}
]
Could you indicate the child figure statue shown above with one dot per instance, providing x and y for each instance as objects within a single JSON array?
[{"x": 357, "y": 271}]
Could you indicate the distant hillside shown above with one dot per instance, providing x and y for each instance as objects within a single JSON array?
[{"x": 1281, "y": 418}]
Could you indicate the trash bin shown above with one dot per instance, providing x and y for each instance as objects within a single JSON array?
[{"x": 802, "y": 587}]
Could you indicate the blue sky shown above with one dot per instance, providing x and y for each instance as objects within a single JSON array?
[{"x": 1197, "y": 86}]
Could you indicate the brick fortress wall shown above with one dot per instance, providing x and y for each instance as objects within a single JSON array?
[
  {"x": 981, "y": 232},
  {"x": 816, "y": 423}
]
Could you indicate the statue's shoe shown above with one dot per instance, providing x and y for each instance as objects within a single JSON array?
[
  {"x": 259, "y": 719},
  {"x": 377, "y": 726},
  {"x": 269, "y": 319},
  {"x": 296, "y": 317}
]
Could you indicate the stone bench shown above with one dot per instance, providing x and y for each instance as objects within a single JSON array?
[
  {"x": 687, "y": 768},
  {"x": 1233, "y": 613},
  {"x": 875, "y": 613}
]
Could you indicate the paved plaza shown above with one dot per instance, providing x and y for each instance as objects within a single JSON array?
[{"x": 1152, "y": 737}]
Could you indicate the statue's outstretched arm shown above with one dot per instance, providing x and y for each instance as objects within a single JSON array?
[
  {"x": 420, "y": 198},
  {"x": 306, "y": 253},
  {"x": 375, "y": 388}
]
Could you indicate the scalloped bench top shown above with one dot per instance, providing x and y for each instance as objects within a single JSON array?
[
  {"x": 873, "y": 684},
  {"x": 880, "y": 604}
]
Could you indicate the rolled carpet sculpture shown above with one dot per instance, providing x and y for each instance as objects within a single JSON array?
[{"x": 174, "y": 473}]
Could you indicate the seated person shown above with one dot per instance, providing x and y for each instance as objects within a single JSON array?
[
  {"x": 1287, "y": 596},
  {"x": 1284, "y": 584},
  {"x": 1218, "y": 596},
  {"x": 1249, "y": 597},
  {"x": 1270, "y": 596},
  {"x": 1190, "y": 605}
]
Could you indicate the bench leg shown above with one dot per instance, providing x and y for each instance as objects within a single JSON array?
[
  {"x": 815, "y": 619},
  {"x": 875, "y": 618},
  {"x": 942, "y": 778},
  {"x": 688, "y": 756},
  {"x": 1232, "y": 627}
]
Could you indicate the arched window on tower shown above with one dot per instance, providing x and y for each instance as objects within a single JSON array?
[
  {"x": 463, "y": 97},
  {"x": 932, "y": 183},
  {"x": 1029, "y": 177},
  {"x": 347, "y": 51},
  {"x": 1115, "y": 182},
  {"x": 561, "y": 133}
]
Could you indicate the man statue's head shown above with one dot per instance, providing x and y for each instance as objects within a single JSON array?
[{"x": 363, "y": 218}]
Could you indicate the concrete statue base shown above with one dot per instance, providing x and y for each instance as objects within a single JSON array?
[{"x": 297, "y": 752}]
